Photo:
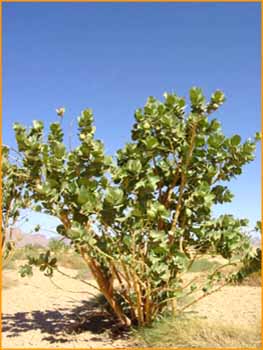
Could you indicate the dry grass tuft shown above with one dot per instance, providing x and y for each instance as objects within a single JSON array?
[
  {"x": 197, "y": 332},
  {"x": 253, "y": 280}
]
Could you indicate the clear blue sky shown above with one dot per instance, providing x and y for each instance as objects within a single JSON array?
[{"x": 111, "y": 57}]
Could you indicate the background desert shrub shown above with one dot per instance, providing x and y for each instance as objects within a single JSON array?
[
  {"x": 57, "y": 246},
  {"x": 21, "y": 254},
  {"x": 67, "y": 257},
  {"x": 253, "y": 280},
  {"x": 250, "y": 272},
  {"x": 27, "y": 250},
  {"x": 71, "y": 260}
]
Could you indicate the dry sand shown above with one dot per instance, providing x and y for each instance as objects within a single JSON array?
[{"x": 37, "y": 314}]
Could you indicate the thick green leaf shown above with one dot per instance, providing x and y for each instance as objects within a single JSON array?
[
  {"x": 134, "y": 166},
  {"x": 235, "y": 140},
  {"x": 151, "y": 142},
  {"x": 114, "y": 196}
]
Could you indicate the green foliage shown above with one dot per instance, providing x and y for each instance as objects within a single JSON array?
[
  {"x": 26, "y": 270},
  {"x": 143, "y": 218},
  {"x": 252, "y": 265},
  {"x": 15, "y": 196},
  {"x": 258, "y": 227},
  {"x": 45, "y": 262},
  {"x": 57, "y": 246}
]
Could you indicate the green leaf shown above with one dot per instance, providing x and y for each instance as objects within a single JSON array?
[
  {"x": 151, "y": 142},
  {"x": 53, "y": 262},
  {"x": 37, "y": 124},
  {"x": 215, "y": 140},
  {"x": 48, "y": 271},
  {"x": 218, "y": 96},
  {"x": 258, "y": 226},
  {"x": 152, "y": 181},
  {"x": 114, "y": 196},
  {"x": 127, "y": 241},
  {"x": 37, "y": 228},
  {"x": 83, "y": 196},
  {"x": 257, "y": 136},
  {"x": 61, "y": 230},
  {"x": 75, "y": 232},
  {"x": 188, "y": 211},
  {"x": 42, "y": 268},
  {"x": 166, "y": 275},
  {"x": 235, "y": 140},
  {"x": 59, "y": 149},
  {"x": 197, "y": 98},
  {"x": 38, "y": 208},
  {"x": 134, "y": 166},
  {"x": 215, "y": 125}
]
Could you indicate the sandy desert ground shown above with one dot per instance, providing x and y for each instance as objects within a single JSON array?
[{"x": 37, "y": 314}]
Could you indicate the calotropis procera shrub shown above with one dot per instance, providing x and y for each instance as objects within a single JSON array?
[{"x": 141, "y": 220}]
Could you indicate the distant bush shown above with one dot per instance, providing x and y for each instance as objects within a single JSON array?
[
  {"x": 253, "y": 280},
  {"x": 22, "y": 253},
  {"x": 250, "y": 273},
  {"x": 56, "y": 246},
  {"x": 71, "y": 260}
]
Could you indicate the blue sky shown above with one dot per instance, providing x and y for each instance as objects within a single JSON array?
[{"x": 112, "y": 56}]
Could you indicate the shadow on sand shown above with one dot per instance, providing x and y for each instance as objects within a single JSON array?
[{"x": 56, "y": 325}]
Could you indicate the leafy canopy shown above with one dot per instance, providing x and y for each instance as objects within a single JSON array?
[{"x": 146, "y": 216}]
